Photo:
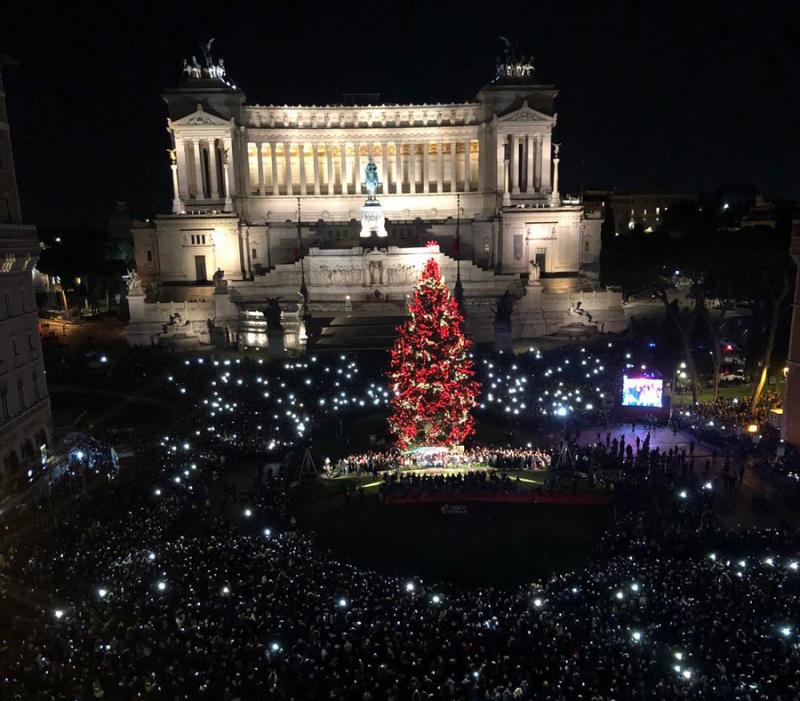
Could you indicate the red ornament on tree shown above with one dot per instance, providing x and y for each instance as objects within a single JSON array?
[{"x": 430, "y": 373}]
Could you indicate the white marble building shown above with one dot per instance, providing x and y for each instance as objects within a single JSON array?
[
  {"x": 25, "y": 421},
  {"x": 240, "y": 171}
]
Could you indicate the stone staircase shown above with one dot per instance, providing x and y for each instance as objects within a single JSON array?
[{"x": 371, "y": 326}]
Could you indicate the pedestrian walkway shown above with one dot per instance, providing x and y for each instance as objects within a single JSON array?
[{"x": 775, "y": 494}]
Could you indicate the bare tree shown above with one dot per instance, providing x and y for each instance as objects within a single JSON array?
[
  {"x": 777, "y": 282},
  {"x": 684, "y": 321}
]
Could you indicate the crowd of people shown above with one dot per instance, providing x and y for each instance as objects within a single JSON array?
[
  {"x": 168, "y": 579},
  {"x": 473, "y": 482},
  {"x": 732, "y": 415},
  {"x": 731, "y": 423},
  {"x": 504, "y": 457},
  {"x": 212, "y": 593}
]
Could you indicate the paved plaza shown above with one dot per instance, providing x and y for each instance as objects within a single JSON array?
[{"x": 737, "y": 507}]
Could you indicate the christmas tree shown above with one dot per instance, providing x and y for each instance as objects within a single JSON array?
[{"x": 430, "y": 373}]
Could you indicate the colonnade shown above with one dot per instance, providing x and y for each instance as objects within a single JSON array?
[
  {"x": 446, "y": 165},
  {"x": 203, "y": 171},
  {"x": 525, "y": 162}
]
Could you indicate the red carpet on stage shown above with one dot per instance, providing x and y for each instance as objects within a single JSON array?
[{"x": 521, "y": 498}]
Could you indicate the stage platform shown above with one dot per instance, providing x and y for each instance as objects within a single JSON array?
[{"x": 528, "y": 497}]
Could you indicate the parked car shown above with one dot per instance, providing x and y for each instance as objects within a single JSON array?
[
  {"x": 732, "y": 375},
  {"x": 51, "y": 314}
]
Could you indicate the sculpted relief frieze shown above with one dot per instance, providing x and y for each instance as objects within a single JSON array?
[
  {"x": 339, "y": 276},
  {"x": 373, "y": 273}
]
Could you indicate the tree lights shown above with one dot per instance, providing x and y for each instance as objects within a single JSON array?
[{"x": 430, "y": 372}]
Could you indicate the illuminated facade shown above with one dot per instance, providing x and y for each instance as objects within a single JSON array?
[
  {"x": 25, "y": 423},
  {"x": 238, "y": 171}
]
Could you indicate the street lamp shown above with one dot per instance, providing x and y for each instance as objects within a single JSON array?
[
  {"x": 678, "y": 374},
  {"x": 565, "y": 458}
]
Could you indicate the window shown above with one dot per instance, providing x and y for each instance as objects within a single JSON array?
[
  {"x": 23, "y": 301},
  {"x": 585, "y": 246},
  {"x": 540, "y": 256},
  {"x": 36, "y": 389},
  {"x": 4, "y": 404},
  {"x": 9, "y": 308},
  {"x": 487, "y": 249},
  {"x": 254, "y": 254},
  {"x": 30, "y": 342},
  {"x": 14, "y": 346},
  {"x": 21, "y": 394},
  {"x": 517, "y": 246},
  {"x": 203, "y": 237},
  {"x": 149, "y": 256}
]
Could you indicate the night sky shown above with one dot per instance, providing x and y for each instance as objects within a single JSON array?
[{"x": 689, "y": 95}]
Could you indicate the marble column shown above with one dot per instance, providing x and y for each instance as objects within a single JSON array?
[
  {"x": 244, "y": 157},
  {"x": 315, "y": 156},
  {"x": 260, "y": 156},
  {"x": 440, "y": 166},
  {"x": 547, "y": 163},
  {"x": 555, "y": 196},
  {"x": 513, "y": 164},
  {"x": 226, "y": 174},
  {"x": 398, "y": 167},
  {"x": 500, "y": 166},
  {"x": 357, "y": 166},
  {"x": 199, "y": 185},
  {"x": 273, "y": 158},
  {"x": 177, "y": 203},
  {"x": 426, "y": 172},
  {"x": 301, "y": 151},
  {"x": 467, "y": 165},
  {"x": 385, "y": 167},
  {"x": 537, "y": 163},
  {"x": 529, "y": 149},
  {"x": 287, "y": 165},
  {"x": 183, "y": 174},
  {"x": 343, "y": 167},
  {"x": 330, "y": 176},
  {"x": 453, "y": 166},
  {"x": 213, "y": 168},
  {"x": 484, "y": 158},
  {"x": 503, "y": 170},
  {"x": 412, "y": 167}
]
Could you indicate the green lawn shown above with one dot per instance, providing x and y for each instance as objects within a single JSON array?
[{"x": 501, "y": 544}]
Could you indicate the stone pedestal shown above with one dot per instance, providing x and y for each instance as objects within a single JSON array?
[
  {"x": 502, "y": 335},
  {"x": 224, "y": 308},
  {"x": 143, "y": 328},
  {"x": 529, "y": 320},
  {"x": 136, "y": 309},
  {"x": 276, "y": 342},
  {"x": 372, "y": 220},
  {"x": 295, "y": 338}
]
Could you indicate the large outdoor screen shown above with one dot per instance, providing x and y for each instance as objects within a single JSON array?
[{"x": 642, "y": 391}]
